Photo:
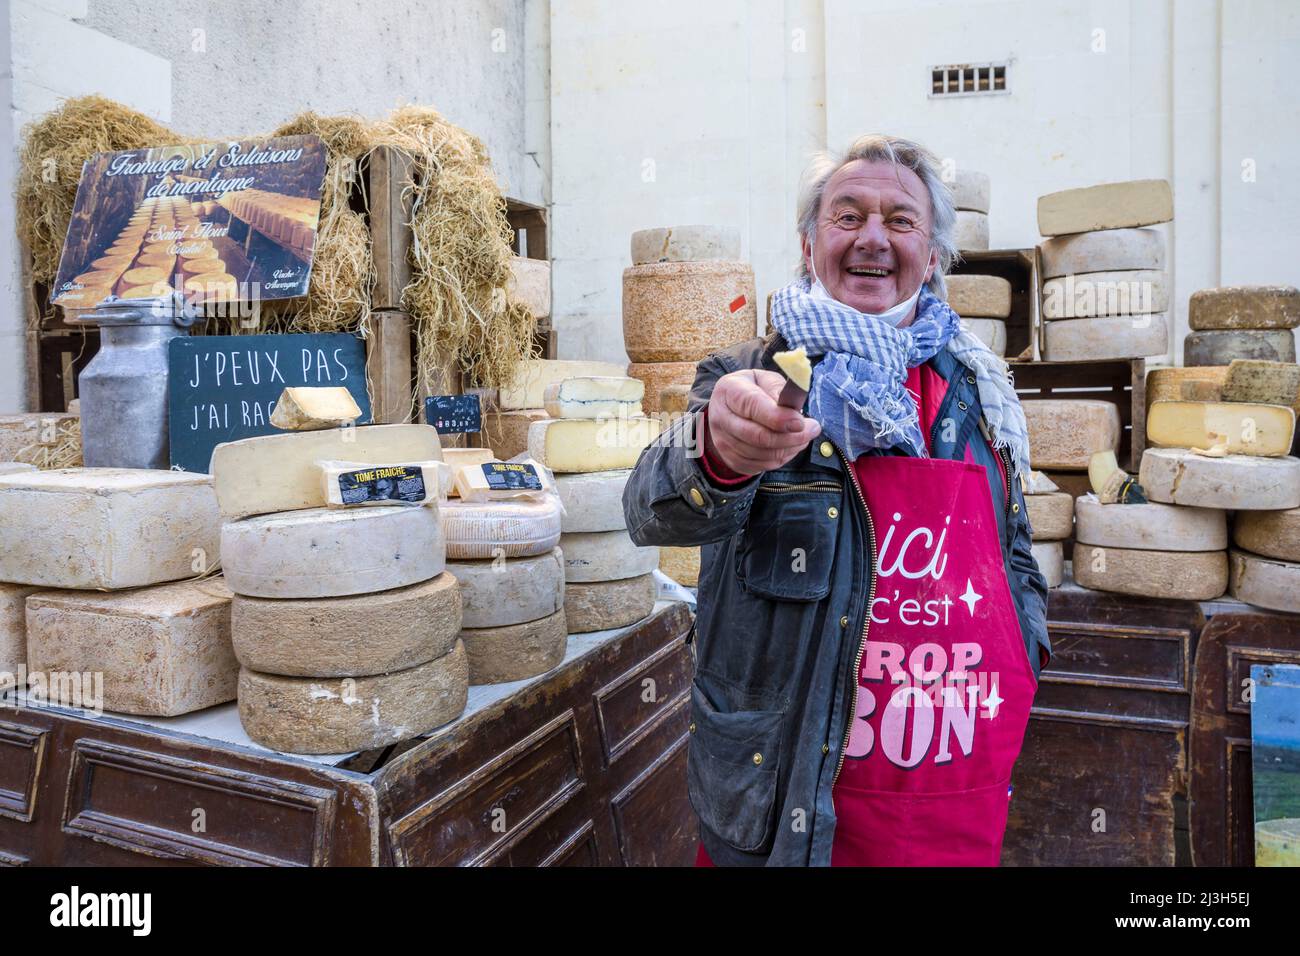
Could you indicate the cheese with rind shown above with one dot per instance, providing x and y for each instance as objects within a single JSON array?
[
  {"x": 497, "y": 593},
  {"x": 1064, "y": 433},
  {"x": 972, "y": 295},
  {"x": 507, "y": 432},
  {"x": 106, "y": 528},
  {"x": 273, "y": 473},
  {"x": 1107, "y": 250},
  {"x": 578, "y": 444},
  {"x": 1273, "y": 534},
  {"x": 684, "y": 311},
  {"x": 594, "y": 396},
  {"x": 13, "y": 629},
  {"x": 1051, "y": 516},
  {"x": 681, "y": 564},
  {"x": 1244, "y": 429},
  {"x": 1244, "y": 307},
  {"x": 510, "y": 529},
  {"x": 602, "y": 605},
  {"x": 992, "y": 332},
  {"x": 1175, "y": 575},
  {"x": 1050, "y": 558},
  {"x": 515, "y": 651},
  {"x": 658, "y": 376},
  {"x": 1149, "y": 527},
  {"x": 970, "y": 190},
  {"x": 1265, "y": 583},
  {"x": 527, "y": 388},
  {"x": 1233, "y": 483},
  {"x": 326, "y": 553},
  {"x": 307, "y": 409},
  {"x": 1122, "y": 205},
  {"x": 685, "y": 244},
  {"x": 333, "y": 715},
  {"x": 1221, "y": 348},
  {"x": 593, "y": 501},
  {"x": 605, "y": 556},
  {"x": 1111, "y": 337},
  {"x": 1266, "y": 383},
  {"x": 1097, "y": 294},
  {"x": 971, "y": 232},
  {"x": 348, "y": 636}
]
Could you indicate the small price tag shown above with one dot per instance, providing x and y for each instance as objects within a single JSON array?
[
  {"x": 511, "y": 476},
  {"x": 453, "y": 413}
]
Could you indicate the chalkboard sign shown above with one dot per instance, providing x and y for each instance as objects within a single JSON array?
[
  {"x": 224, "y": 387},
  {"x": 453, "y": 413}
]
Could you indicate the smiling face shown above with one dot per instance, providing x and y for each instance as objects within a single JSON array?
[{"x": 873, "y": 236}]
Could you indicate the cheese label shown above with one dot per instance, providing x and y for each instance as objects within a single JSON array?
[
  {"x": 511, "y": 476},
  {"x": 395, "y": 483}
]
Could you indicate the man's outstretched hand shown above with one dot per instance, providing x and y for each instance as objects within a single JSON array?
[{"x": 748, "y": 431}]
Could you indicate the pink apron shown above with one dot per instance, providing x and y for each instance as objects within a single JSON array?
[{"x": 945, "y": 685}]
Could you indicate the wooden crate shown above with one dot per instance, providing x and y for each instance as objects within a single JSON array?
[
  {"x": 1122, "y": 382},
  {"x": 1020, "y": 268}
]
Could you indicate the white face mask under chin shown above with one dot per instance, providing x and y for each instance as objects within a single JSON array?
[{"x": 892, "y": 316}]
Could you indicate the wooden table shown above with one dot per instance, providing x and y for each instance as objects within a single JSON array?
[{"x": 585, "y": 765}]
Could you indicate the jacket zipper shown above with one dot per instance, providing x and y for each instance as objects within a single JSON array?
[
  {"x": 782, "y": 487},
  {"x": 866, "y": 624}
]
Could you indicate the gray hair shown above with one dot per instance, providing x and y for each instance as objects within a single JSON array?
[{"x": 875, "y": 147}]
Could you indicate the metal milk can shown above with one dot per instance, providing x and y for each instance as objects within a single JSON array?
[{"x": 123, "y": 390}]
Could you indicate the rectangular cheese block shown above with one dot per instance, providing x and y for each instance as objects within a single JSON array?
[
  {"x": 594, "y": 396},
  {"x": 1240, "y": 428},
  {"x": 1065, "y": 433},
  {"x": 274, "y": 473},
  {"x": 1267, "y": 383},
  {"x": 350, "y": 484},
  {"x": 1139, "y": 202},
  {"x": 13, "y": 630},
  {"x": 502, "y": 480},
  {"x": 162, "y": 650},
  {"x": 306, "y": 408},
  {"x": 528, "y": 387},
  {"x": 458, "y": 458},
  {"x": 584, "y": 444},
  {"x": 106, "y": 527}
]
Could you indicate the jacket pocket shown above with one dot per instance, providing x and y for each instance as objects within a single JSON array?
[
  {"x": 731, "y": 771},
  {"x": 788, "y": 545}
]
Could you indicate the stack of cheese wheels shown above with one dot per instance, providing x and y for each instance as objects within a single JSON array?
[
  {"x": 1051, "y": 518},
  {"x": 502, "y": 548},
  {"x": 520, "y": 402},
  {"x": 1105, "y": 289},
  {"x": 686, "y": 294},
  {"x": 1064, "y": 434},
  {"x": 680, "y": 564},
  {"x": 970, "y": 196},
  {"x": 984, "y": 304},
  {"x": 594, "y": 436},
  {"x": 94, "y": 563},
  {"x": 344, "y": 618},
  {"x": 1265, "y": 562},
  {"x": 1241, "y": 322},
  {"x": 530, "y": 285}
]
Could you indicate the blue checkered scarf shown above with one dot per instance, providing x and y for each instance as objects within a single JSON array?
[{"x": 858, "y": 390}]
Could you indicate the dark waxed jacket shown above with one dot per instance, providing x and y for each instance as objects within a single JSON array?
[{"x": 775, "y": 647}]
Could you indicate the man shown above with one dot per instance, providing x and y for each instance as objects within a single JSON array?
[{"x": 871, "y": 622}]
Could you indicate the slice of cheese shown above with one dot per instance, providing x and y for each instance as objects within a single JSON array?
[
  {"x": 1095, "y": 294},
  {"x": 796, "y": 366},
  {"x": 1149, "y": 527},
  {"x": 1123, "y": 205},
  {"x": 1267, "y": 383},
  {"x": 685, "y": 244},
  {"x": 497, "y": 593},
  {"x": 577, "y": 444},
  {"x": 1064, "y": 433},
  {"x": 1176, "y": 575},
  {"x": 683, "y": 311},
  {"x": 970, "y": 190},
  {"x": 507, "y": 432},
  {"x": 1234, "y": 483},
  {"x": 1222, "y": 348},
  {"x": 593, "y": 501},
  {"x": 331, "y": 715},
  {"x": 325, "y": 553},
  {"x": 273, "y": 473},
  {"x": 162, "y": 650},
  {"x": 1040, "y": 484},
  {"x": 971, "y": 295},
  {"x": 493, "y": 529},
  {"x": 1244, "y": 307},
  {"x": 1273, "y": 534},
  {"x": 971, "y": 232},
  {"x": 1050, "y": 558},
  {"x": 659, "y": 375},
  {"x": 503, "y": 480},
  {"x": 528, "y": 386},
  {"x": 992, "y": 332},
  {"x": 352, "y": 484},
  {"x": 594, "y": 396},
  {"x": 1109, "y": 250},
  {"x": 1264, "y": 583},
  {"x": 458, "y": 458},
  {"x": 516, "y": 651},
  {"x": 13, "y": 631},
  {"x": 1245, "y": 429},
  {"x": 348, "y": 636},
  {"x": 602, "y": 605},
  {"x": 106, "y": 528},
  {"x": 1113, "y": 337},
  {"x": 681, "y": 564},
  {"x": 307, "y": 409},
  {"x": 1051, "y": 516},
  {"x": 604, "y": 556}
]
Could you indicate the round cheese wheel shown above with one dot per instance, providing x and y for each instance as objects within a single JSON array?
[
  {"x": 1050, "y": 557},
  {"x": 1266, "y": 583},
  {"x": 593, "y": 501},
  {"x": 1178, "y": 575},
  {"x": 332, "y": 715},
  {"x": 1233, "y": 483},
  {"x": 681, "y": 564},
  {"x": 992, "y": 332},
  {"x": 1220, "y": 348},
  {"x": 504, "y": 591},
  {"x": 602, "y": 605},
  {"x": 970, "y": 190},
  {"x": 683, "y": 311},
  {"x": 516, "y": 651},
  {"x": 1109, "y": 250},
  {"x": 1095, "y": 294},
  {"x": 658, "y": 376},
  {"x": 1149, "y": 527},
  {"x": 1051, "y": 516},
  {"x": 972, "y": 231},
  {"x": 1273, "y": 534},
  {"x": 605, "y": 556},
  {"x": 1111, "y": 337},
  {"x": 972, "y": 295},
  {"x": 685, "y": 244},
  {"x": 1244, "y": 307},
  {"x": 322, "y": 552},
  {"x": 510, "y": 529}
]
